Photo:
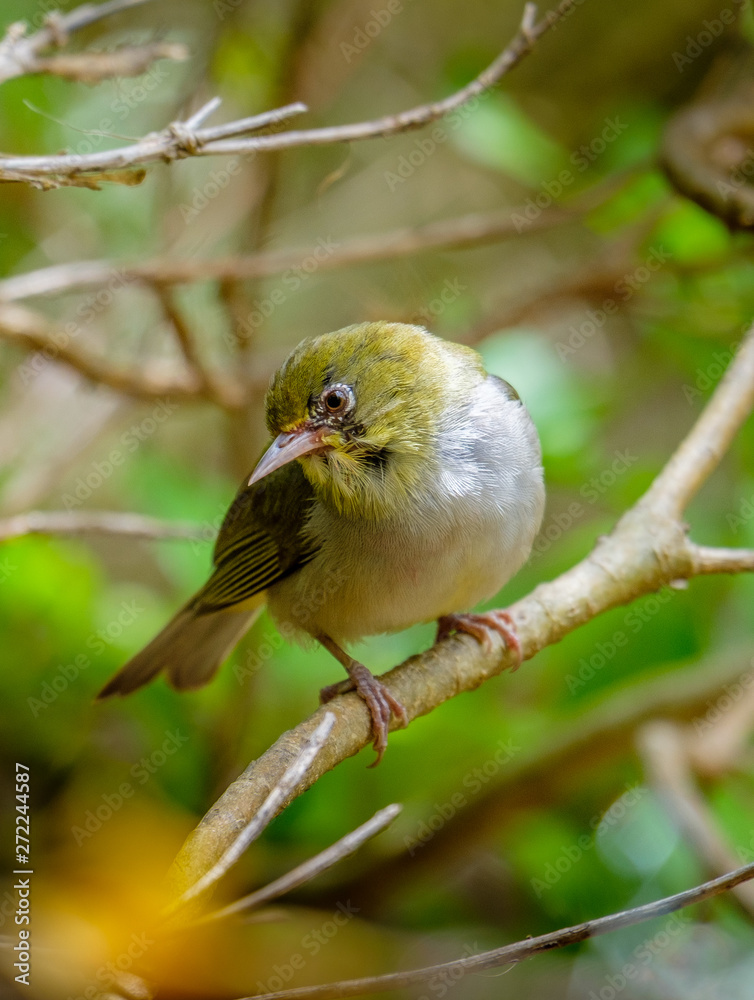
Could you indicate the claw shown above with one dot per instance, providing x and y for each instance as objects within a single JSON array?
[
  {"x": 379, "y": 700},
  {"x": 480, "y": 627}
]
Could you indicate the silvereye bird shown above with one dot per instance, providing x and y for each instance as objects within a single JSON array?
[{"x": 403, "y": 484}]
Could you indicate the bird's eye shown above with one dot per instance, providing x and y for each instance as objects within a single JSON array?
[{"x": 337, "y": 399}]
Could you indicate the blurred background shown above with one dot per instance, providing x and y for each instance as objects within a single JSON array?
[{"x": 609, "y": 299}]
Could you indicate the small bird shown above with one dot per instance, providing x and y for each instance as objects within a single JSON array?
[{"x": 403, "y": 484}]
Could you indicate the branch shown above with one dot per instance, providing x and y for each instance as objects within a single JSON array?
[
  {"x": 648, "y": 549},
  {"x": 32, "y": 332},
  {"x": 693, "y": 156},
  {"x": 511, "y": 954},
  {"x": 462, "y": 231},
  {"x": 19, "y": 53},
  {"x": 664, "y": 748},
  {"x": 94, "y": 522},
  {"x": 183, "y": 138},
  {"x": 310, "y": 868},
  {"x": 600, "y": 732},
  {"x": 291, "y": 779},
  {"x": 713, "y": 560},
  {"x": 226, "y": 395}
]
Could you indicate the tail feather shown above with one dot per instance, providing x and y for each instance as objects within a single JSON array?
[{"x": 190, "y": 649}]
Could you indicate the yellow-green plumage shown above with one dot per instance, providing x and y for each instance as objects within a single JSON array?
[{"x": 403, "y": 484}]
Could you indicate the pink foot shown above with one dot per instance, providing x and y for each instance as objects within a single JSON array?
[
  {"x": 480, "y": 627},
  {"x": 379, "y": 701}
]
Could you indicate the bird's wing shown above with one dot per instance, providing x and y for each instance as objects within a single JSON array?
[{"x": 262, "y": 539}]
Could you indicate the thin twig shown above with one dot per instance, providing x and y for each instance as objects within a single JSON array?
[
  {"x": 93, "y": 67},
  {"x": 309, "y": 869},
  {"x": 94, "y": 522},
  {"x": 32, "y": 332},
  {"x": 513, "y": 953},
  {"x": 459, "y": 232},
  {"x": 708, "y": 559},
  {"x": 273, "y": 803},
  {"x": 663, "y": 748},
  {"x": 225, "y": 394},
  {"x": 179, "y": 140},
  {"x": 19, "y": 52}
]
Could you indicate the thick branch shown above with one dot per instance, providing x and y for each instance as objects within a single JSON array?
[
  {"x": 693, "y": 157},
  {"x": 182, "y": 139},
  {"x": 647, "y": 550}
]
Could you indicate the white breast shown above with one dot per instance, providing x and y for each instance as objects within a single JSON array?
[{"x": 464, "y": 539}]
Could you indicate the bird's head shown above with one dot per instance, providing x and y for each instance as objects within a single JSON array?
[{"x": 361, "y": 409}]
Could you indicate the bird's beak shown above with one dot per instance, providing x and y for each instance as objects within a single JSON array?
[{"x": 302, "y": 440}]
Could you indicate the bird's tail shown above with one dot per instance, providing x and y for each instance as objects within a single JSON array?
[{"x": 190, "y": 649}]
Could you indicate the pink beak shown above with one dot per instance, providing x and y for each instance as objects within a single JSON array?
[{"x": 304, "y": 440}]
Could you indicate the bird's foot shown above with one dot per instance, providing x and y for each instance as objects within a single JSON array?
[
  {"x": 481, "y": 628},
  {"x": 379, "y": 701}
]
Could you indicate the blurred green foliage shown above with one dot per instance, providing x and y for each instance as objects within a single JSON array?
[{"x": 611, "y": 394}]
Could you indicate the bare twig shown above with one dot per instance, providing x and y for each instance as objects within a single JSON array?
[
  {"x": 602, "y": 731},
  {"x": 648, "y": 549},
  {"x": 225, "y": 394},
  {"x": 513, "y": 953},
  {"x": 20, "y": 53},
  {"x": 664, "y": 749},
  {"x": 713, "y": 560},
  {"x": 462, "y": 231},
  {"x": 94, "y": 522},
  {"x": 31, "y": 332},
  {"x": 275, "y": 800},
  {"x": 309, "y": 869},
  {"x": 180, "y": 140},
  {"x": 93, "y": 67}
]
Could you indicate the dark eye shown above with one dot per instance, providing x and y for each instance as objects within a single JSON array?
[{"x": 337, "y": 399}]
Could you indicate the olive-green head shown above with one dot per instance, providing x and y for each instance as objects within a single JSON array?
[{"x": 361, "y": 409}]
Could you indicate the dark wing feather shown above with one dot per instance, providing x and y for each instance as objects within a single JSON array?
[{"x": 262, "y": 539}]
